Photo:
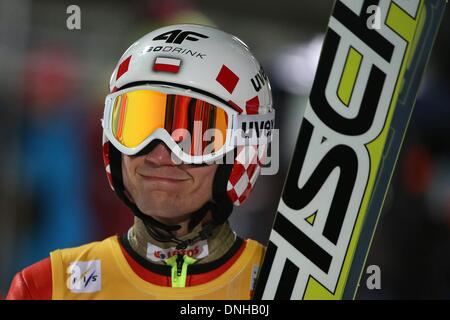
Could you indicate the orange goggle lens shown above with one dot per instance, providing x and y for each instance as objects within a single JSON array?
[{"x": 137, "y": 114}]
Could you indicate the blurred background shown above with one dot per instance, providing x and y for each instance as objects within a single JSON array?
[{"x": 53, "y": 189}]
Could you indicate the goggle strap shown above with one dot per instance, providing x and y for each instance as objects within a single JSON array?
[{"x": 252, "y": 129}]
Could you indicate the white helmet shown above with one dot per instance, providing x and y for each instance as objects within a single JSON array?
[{"x": 205, "y": 63}]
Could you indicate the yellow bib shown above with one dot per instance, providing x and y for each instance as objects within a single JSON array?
[{"x": 99, "y": 270}]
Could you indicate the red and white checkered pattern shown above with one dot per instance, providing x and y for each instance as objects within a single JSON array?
[{"x": 243, "y": 175}]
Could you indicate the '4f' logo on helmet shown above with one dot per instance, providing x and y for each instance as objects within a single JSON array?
[{"x": 178, "y": 36}]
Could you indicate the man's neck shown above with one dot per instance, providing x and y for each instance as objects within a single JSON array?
[{"x": 218, "y": 243}]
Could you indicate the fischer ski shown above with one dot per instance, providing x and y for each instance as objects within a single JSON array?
[{"x": 372, "y": 61}]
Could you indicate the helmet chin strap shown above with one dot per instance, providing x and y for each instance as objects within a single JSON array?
[
  {"x": 220, "y": 207},
  {"x": 220, "y": 213},
  {"x": 164, "y": 232}
]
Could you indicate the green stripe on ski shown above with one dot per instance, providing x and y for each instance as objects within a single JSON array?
[{"x": 349, "y": 75}]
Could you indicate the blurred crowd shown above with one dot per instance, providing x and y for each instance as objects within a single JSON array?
[{"x": 53, "y": 189}]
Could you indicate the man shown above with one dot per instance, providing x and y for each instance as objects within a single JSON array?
[{"x": 185, "y": 129}]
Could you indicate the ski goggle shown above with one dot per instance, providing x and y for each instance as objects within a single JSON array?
[{"x": 195, "y": 127}]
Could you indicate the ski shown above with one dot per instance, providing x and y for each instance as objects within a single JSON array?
[{"x": 371, "y": 64}]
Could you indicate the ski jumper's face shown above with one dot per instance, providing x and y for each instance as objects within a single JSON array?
[{"x": 164, "y": 190}]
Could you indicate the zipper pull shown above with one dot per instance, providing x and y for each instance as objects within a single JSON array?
[{"x": 179, "y": 264}]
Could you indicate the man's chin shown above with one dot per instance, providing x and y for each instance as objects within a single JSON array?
[
  {"x": 165, "y": 214},
  {"x": 170, "y": 220}
]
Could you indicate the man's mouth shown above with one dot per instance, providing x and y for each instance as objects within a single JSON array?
[{"x": 154, "y": 177}]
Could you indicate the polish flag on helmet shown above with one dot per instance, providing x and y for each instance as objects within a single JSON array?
[{"x": 167, "y": 64}]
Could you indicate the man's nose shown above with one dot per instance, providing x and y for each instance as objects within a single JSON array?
[{"x": 160, "y": 155}]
